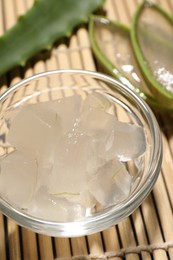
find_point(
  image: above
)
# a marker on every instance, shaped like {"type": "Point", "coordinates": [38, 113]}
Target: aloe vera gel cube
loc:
{"type": "Point", "coordinates": [111, 183]}
{"type": "Point", "coordinates": [18, 177]}
{"type": "Point", "coordinates": [34, 129]}
{"type": "Point", "coordinates": [47, 206]}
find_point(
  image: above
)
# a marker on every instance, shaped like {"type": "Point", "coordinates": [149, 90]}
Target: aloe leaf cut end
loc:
{"type": "Point", "coordinates": [152, 37]}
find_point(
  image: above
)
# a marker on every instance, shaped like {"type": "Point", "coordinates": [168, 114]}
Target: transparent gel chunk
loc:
{"type": "Point", "coordinates": [44, 174]}
{"type": "Point", "coordinates": [84, 198]}
{"type": "Point", "coordinates": [10, 114]}
{"type": "Point", "coordinates": [18, 178]}
{"type": "Point", "coordinates": [97, 100]}
{"type": "Point", "coordinates": [114, 139]}
{"type": "Point", "coordinates": [68, 110]}
{"type": "Point", "coordinates": [126, 142]}
{"type": "Point", "coordinates": [35, 130]}
{"type": "Point", "coordinates": [49, 207]}
{"type": "Point", "coordinates": [96, 124]}
{"type": "Point", "coordinates": [70, 165]}
{"type": "Point", "coordinates": [111, 184]}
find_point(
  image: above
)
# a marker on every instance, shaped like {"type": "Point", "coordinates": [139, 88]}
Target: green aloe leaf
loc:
{"type": "Point", "coordinates": [111, 44]}
{"type": "Point", "coordinates": [152, 40]}
{"type": "Point", "coordinates": [46, 22]}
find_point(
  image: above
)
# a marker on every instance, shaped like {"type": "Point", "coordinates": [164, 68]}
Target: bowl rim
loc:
{"type": "Point", "coordinates": [100, 221]}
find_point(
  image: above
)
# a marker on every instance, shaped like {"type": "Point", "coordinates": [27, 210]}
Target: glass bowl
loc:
{"type": "Point", "coordinates": [128, 107]}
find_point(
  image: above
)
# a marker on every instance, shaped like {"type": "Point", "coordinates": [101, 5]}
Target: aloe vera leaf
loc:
{"type": "Point", "coordinates": [152, 38]}
{"type": "Point", "coordinates": [46, 22]}
{"type": "Point", "coordinates": [111, 44]}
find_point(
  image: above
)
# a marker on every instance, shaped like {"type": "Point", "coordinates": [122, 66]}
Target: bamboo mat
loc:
{"type": "Point", "coordinates": [148, 232]}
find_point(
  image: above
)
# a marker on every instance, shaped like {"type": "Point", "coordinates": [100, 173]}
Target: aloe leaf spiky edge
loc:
{"type": "Point", "coordinates": [158, 90]}
{"type": "Point", "coordinates": [111, 69]}
{"type": "Point", "coordinates": [46, 22]}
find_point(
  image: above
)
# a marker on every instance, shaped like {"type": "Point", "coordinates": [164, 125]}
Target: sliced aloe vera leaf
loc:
{"type": "Point", "coordinates": [152, 41]}
{"type": "Point", "coordinates": [111, 44]}
{"type": "Point", "coordinates": [46, 22]}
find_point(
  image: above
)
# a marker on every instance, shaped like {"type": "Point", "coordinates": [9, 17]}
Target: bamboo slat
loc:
{"type": "Point", "coordinates": [148, 233]}
{"type": "Point", "coordinates": [111, 241]}
{"type": "Point", "coordinates": [62, 247]}
{"type": "Point", "coordinates": [2, 238]}
{"type": "Point", "coordinates": [13, 240]}
{"type": "Point", "coordinates": [45, 247]}
{"type": "Point", "coordinates": [95, 245]}
{"type": "Point", "coordinates": [127, 237]}
{"type": "Point", "coordinates": [140, 232]}
{"type": "Point", "coordinates": [79, 246]}
{"type": "Point", "coordinates": [153, 227]}
{"type": "Point", "coordinates": [29, 244]}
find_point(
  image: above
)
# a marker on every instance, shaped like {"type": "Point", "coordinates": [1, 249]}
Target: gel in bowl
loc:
{"type": "Point", "coordinates": [126, 107]}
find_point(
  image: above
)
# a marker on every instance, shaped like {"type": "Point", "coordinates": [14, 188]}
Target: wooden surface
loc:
{"type": "Point", "coordinates": [148, 232]}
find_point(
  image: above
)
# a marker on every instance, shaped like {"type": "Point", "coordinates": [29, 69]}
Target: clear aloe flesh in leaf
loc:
{"type": "Point", "coordinates": [111, 44]}
{"type": "Point", "coordinates": [113, 40]}
{"type": "Point", "coordinates": [152, 39]}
